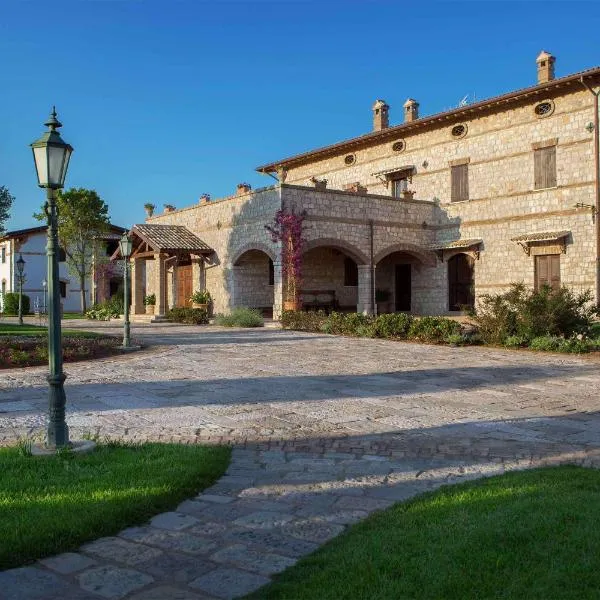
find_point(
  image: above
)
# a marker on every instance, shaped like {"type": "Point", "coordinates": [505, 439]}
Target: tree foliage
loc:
{"type": "Point", "coordinates": [82, 219]}
{"type": "Point", "coordinates": [6, 201]}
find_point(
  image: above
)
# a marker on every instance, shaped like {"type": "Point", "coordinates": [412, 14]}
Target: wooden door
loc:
{"type": "Point", "coordinates": [403, 287]}
{"type": "Point", "coordinates": [184, 285]}
{"type": "Point", "coordinates": [461, 281]}
{"type": "Point", "coordinates": [547, 271]}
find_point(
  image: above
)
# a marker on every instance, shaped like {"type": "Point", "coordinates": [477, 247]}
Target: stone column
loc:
{"type": "Point", "coordinates": [197, 273]}
{"type": "Point", "coordinates": [172, 287]}
{"type": "Point", "coordinates": [235, 296]}
{"type": "Point", "coordinates": [137, 286]}
{"type": "Point", "coordinates": [160, 284]}
{"type": "Point", "coordinates": [277, 289]}
{"type": "Point", "coordinates": [365, 293]}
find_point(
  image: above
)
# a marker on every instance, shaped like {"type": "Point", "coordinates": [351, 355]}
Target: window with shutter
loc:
{"type": "Point", "coordinates": [544, 161]}
{"type": "Point", "coordinates": [547, 271]}
{"type": "Point", "coordinates": [459, 175]}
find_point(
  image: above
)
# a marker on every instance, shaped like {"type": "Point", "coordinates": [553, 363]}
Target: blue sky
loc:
{"type": "Point", "coordinates": [163, 101]}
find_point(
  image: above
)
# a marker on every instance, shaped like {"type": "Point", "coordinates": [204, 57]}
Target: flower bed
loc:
{"type": "Point", "coordinates": [31, 351]}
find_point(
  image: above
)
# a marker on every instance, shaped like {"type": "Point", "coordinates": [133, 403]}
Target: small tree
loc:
{"type": "Point", "coordinates": [6, 201]}
{"type": "Point", "coordinates": [287, 228]}
{"type": "Point", "coordinates": [82, 219]}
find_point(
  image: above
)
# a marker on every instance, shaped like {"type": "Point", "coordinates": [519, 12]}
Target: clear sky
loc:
{"type": "Point", "coordinates": [165, 100]}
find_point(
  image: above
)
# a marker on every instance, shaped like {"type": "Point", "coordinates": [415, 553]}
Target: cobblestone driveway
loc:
{"type": "Point", "coordinates": [326, 430]}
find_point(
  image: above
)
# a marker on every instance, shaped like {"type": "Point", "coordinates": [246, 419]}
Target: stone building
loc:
{"type": "Point", "coordinates": [424, 216]}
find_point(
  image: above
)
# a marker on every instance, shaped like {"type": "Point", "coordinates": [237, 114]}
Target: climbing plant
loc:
{"type": "Point", "coordinates": [287, 228]}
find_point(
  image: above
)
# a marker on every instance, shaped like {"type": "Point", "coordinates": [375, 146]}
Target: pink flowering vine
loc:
{"type": "Point", "coordinates": [287, 228]}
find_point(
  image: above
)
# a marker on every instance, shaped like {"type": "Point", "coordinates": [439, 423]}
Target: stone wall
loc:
{"type": "Point", "coordinates": [230, 226]}
{"type": "Point", "coordinates": [251, 281]}
{"type": "Point", "coordinates": [503, 202]}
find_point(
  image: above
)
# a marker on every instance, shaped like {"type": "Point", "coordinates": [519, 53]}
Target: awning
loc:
{"type": "Point", "coordinates": [527, 240]}
{"type": "Point", "coordinates": [403, 168]}
{"type": "Point", "coordinates": [471, 245]}
{"type": "Point", "coordinates": [457, 244]}
{"type": "Point", "coordinates": [541, 236]}
{"type": "Point", "coordinates": [175, 240]}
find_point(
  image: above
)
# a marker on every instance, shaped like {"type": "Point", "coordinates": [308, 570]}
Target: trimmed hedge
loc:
{"type": "Point", "coordinates": [389, 326]}
{"type": "Point", "coordinates": [188, 316]}
{"type": "Point", "coordinates": [11, 304]}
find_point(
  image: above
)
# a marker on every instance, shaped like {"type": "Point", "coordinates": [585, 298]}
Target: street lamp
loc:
{"type": "Point", "coordinates": [51, 155]}
{"type": "Point", "coordinates": [125, 245]}
{"type": "Point", "coordinates": [20, 277]}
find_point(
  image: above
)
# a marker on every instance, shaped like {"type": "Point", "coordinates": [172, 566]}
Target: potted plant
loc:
{"type": "Point", "coordinates": [382, 298]}
{"type": "Point", "coordinates": [149, 303]}
{"type": "Point", "coordinates": [201, 299]}
{"type": "Point", "coordinates": [149, 208]}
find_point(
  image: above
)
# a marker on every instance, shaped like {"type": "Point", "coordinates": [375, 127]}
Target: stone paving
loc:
{"type": "Point", "coordinates": [325, 431]}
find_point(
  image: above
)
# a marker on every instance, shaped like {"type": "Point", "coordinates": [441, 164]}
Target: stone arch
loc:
{"type": "Point", "coordinates": [359, 257]}
{"type": "Point", "coordinates": [259, 246]}
{"type": "Point", "coordinates": [427, 257]}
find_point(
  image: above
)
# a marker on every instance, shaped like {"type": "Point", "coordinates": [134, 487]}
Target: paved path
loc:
{"type": "Point", "coordinates": [325, 430]}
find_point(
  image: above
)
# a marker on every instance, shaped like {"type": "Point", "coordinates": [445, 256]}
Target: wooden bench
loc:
{"type": "Point", "coordinates": [318, 300]}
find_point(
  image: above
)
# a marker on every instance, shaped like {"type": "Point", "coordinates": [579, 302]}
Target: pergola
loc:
{"type": "Point", "coordinates": [175, 251]}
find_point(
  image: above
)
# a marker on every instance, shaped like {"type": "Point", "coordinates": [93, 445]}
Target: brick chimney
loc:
{"type": "Point", "coordinates": [411, 110]}
{"type": "Point", "coordinates": [545, 67]}
{"type": "Point", "coordinates": [381, 119]}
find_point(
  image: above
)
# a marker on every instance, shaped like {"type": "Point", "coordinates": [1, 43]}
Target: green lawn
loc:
{"type": "Point", "coordinates": [35, 330]}
{"type": "Point", "coordinates": [533, 534]}
{"type": "Point", "coordinates": [51, 505]}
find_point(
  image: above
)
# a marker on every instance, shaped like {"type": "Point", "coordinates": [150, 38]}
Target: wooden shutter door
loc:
{"type": "Point", "coordinates": [460, 183]}
{"type": "Point", "coordinates": [538, 170]}
{"type": "Point", "coordinates": [542, 274]}
{"type": "Point", "coordinates": [549, 166]}
{"type": "Point", "coordinates": [554, 270]}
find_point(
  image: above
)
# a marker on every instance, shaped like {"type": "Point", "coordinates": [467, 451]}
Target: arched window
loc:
{"type": "Point", "coordinates": [461, 282]}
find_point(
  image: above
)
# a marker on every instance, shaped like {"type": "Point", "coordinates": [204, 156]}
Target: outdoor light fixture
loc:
{"type": "Point", "coordinates": [20, 277]}
{"type": "Point", "coordinates": [125, 245]}
{"type": "Point", "coordinates": [51, 155]}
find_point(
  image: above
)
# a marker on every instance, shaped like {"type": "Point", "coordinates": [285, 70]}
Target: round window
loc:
{"type": "Point", "coordinates": [459, 131]}
{"type": "Point", "coordinates": [399, 146]}
{"type": "Point", "coordinates": [543, 109]}
{"type": "Point", "coordinates": [350, 159]}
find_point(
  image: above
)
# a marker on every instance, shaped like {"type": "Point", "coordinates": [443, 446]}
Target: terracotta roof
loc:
{"type": "Point", "coordinates": [541, 236]}
{"type": "Point", "coordinates": [457, 113]}
{"type": "Point", "coordinates": [171, 238]}
{"type": "Point", "coordinates": [456, 244]}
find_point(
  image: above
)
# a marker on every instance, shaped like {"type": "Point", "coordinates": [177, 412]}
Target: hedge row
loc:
{"type": "Point", "coordinates": [389, 326]}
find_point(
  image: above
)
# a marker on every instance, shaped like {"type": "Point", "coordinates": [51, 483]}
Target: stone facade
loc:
{"type": "Point", "coordinates": [495, 146]}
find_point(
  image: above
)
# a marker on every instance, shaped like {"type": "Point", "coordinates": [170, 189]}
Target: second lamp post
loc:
{"type": "Point", "coordinates": [21, 278]}
{"type": "Point", "coordinates": [125, 245]}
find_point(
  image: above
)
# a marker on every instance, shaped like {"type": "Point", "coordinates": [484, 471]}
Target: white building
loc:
{"type": "Point", "coordinates": [31, 245]}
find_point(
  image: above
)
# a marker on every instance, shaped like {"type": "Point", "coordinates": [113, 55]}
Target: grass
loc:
{"type": "Point", "coordinates": [27, 330]}
{"type": "Point", "coordinates": [532, 534]}
{"type": "Point", "coordinates": [241, 317]}
{"type": "Point", "coordinates": [53, 504]}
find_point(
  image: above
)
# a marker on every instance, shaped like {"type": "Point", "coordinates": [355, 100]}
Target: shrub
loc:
{"type": "Point", "coordinates": [515, 341]}
{"type": "Point", "coordinates": [346, 323]}
{"type": "Point", "coordinates": [530, 314]}
{"type": "Point", "coordinates": [433, 329]}
{"type": "Point", "coordinates": [150, 300]}
{"type": "Point", "coordinates": [201, 297]}
{"type": "Point", "coordinates": [188, 316]}
{"type": "Point", "coordinates": [299, 320]}
{"type": "Point", "coordinates": [241, 317]}
{"type": "Point", "coordinates": [11, 304]}
{"type": "Point", "coordinates": [107, 310]}
{"type": "Point", "coordinates": [395, 325]}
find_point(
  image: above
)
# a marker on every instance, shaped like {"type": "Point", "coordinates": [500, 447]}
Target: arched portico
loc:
{"type": "Point", "coordinates": [254, 278]}
{"type": "Point", "coordinates": [402, 274]}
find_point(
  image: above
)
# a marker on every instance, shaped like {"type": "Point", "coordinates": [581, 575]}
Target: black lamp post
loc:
{"type": "Point", "coordinates": [51, 155]}
{"type": "Point", "coordinates": [125, 245]}
{"type": "Point", "coordinates": [20, 277]}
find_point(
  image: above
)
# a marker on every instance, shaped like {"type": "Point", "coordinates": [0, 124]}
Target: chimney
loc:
{"type": "Point", "coordinates": [411, 110]}
{"type": "Point", "coordinates": [381, 118]}
{"type": "Point", "coordinates": [545, 67]}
